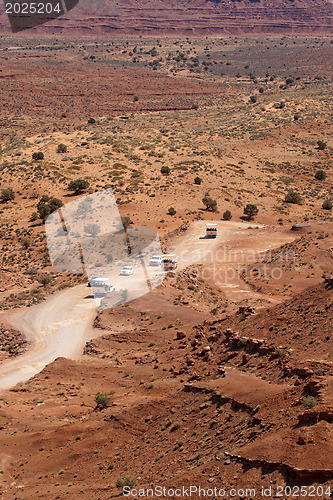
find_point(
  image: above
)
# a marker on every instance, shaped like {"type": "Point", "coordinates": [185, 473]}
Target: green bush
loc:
{"type": "Point", "coordinates": [253, 98]}
{"type": "Point", "coordinates": [91, 120]}
{"type": "Point", "coordinates": [327, 205]}
{"type": "Point", "coordinates": [47, 205]}
{"type": "Point", "coordinates": [227, 215]}
{"type": "Point", "coordinates": [125, 481]}
{"type": "Point", "coordinates": [320, 175]}
{"type": "Point", "coordinates": [38, 155]}
{"type": "Point", "coordinates": [172, 211]}
{"type": "Point", "coordinates": [45, 280]}
{"type": "Point", "coordinates": [197, 180]}
{"type": "Point", "coordinates": [309, 402]}
{"type": "Point", "coordinates": [165, 170]}
{"type": "Point", "coordinates": [102, 400]}
{"type": "Point", "coordinates": [7, 194]}
{"type": "Point", "coordinates": [78, 186]}
{"type": "Point", "coordinates": [321, 145]}
{"type": "Point", "coordinates": [26, 242]}
{"type": "Point", "coordinates": [62, 148]}
{"type": "Point", "coordinates": [293, 197]}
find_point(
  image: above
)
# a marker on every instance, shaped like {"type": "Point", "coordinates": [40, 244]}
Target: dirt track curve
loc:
{"type": "Point", "coordinates": [60, 326]}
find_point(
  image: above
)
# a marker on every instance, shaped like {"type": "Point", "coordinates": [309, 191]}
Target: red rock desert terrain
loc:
{"type": "Point", "coordinates": [220, 377]}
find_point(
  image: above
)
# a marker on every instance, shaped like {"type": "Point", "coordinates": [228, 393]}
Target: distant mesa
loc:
{"type": "Point", "coordinates": [193, 17]}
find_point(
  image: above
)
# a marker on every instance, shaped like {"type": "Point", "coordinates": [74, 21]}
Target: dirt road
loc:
{"type": "Point", "coordinates": [61, 325]}
{"type": "Point", "coordinates": [57, 327]}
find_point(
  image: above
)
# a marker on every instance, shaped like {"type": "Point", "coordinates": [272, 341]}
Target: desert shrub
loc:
{"type": "Point", "coordinates": [33, 217]}
{"type": "Point", "coordinates": [47, 205]}
{"type": "Point", "coordinates": [281, 352]}
{"type": "Point", "coordinates": [309, 402]}
{"type": "Point", "coordinates": [321, 145]}
{"type": "Point", "coordinates": [327, 205]}
{"type": "Point", "coordinates": [62, 148]}
{"type": "Point", "coordinates": [78, 186]}
{"type": "Point", "coordinates": [135, 98]}
{"type": "Point", "coordinates": [320, 175]}
{"type": "Point", "coordinates": [102, 400]}
{"type": "Point", "coordinates": [195, 106]}
{"type": "Point", "coordinates": [251, 210]}
{"type": "Point", "coordinates": [125, 481]}
{"type": "Point", "coordinates": [92, 229]}
{"type": "Point", "coordinates": [261, 90]}
{"type": "Point", "coordinates": [38, 155]}
{"type": "Point", "coordinates": [253, 98]}
{"type": "Point", "coordinates": [209, 203]}
{"type": "Point", "coordinates": [293, 197]}
{"type": "Point", "coordinates": [289, 81]}
{"type": "Point", "coordinates": [227, 215]}
{"type": "Point", "coordinates": [26, 242]}
{"type": "Point", "coordinates": [172, 211]}
{"type": "Point", "coordinates": [45, 280]}
{"type": "Point", "coordinates": [7, 194]}
{"type": "Point", "coordinates": [165, 170]}
{"type": "Point", "coordinates": [197, 180]}
{"type": "Point", "coordinates": [297, 116]}
{"type": "Point", "coordinates": [91, 120]}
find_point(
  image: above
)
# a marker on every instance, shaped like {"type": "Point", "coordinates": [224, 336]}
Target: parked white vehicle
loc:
{"type": "Point", "coordinates": [126, 271]}
{"type": "Point", "coordinates": [155, 260]}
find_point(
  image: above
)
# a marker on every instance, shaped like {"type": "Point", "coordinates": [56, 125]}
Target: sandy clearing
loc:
{"type": "Point", "coordinates": [57, 327]}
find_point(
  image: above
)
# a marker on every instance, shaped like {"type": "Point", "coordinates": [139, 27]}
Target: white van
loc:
{"type": "Point", "coordinates": [155, 260]}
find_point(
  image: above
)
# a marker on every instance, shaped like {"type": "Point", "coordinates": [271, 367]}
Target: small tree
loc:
{"type": "Point", "coordinates": [227, 215]}
{"type": "Point", "coordinates": [251, 210]}
{"type": "Point", "coordinates": [165, 170]}
{"type": "Point", "coordinates": [7, 194]}
{"type": "Point", "coordinates": [91, 120]}
{"type": "Point", "coordinates": [327, 205]}
{"type": "Point", "coordinates": [321, 145]}
{"type": "Point", "coordinates": [253, 99]}
{"type": "Point", "coordinates": [62, 148]}
{"type": "Point", "coordinates": [293, 197]}
{"type": "Point", "coordinates": [92, 229]}
{"type": "Point", "coordinates": [38, 155]}
{"type": "Point", "coordinates": [172, 211]}
{"type": "Point", "coordinates": [209, 203]}
{"type": "Point", "coordinates": [78, 186]}
{"type": "Point", "coordinates": [47, 205]}
{"type": "Point", "coordinates": [197, 180]}
{"type": "Point", "coordinates": [320, 175]}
